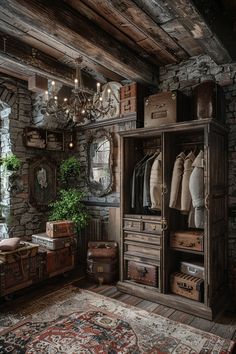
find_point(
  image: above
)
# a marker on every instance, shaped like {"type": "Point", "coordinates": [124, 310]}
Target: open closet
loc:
{"type": "Point", "coordinates": [174, 216]}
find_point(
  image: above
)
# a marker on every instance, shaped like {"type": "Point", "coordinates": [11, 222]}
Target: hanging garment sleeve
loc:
{"type": "Point", "coordinates": [156, 183]}
{"type": "Point", "coordinates": [186, 199]}
{"type": "Point", "coordinates": [196, 187]}
{"type": "Point", "coordinates": [177, 174]}
{"type": "Point", "coordinates": [146, 182]}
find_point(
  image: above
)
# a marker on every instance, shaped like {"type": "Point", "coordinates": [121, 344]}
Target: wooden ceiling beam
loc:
{"type": "Point", "coordinates": [135, 23]}
{"type": "Point", "coordinates": [191, 19]}
{"type": "Point", "coordinates": [72, 29]}
{"type": "Point", "coordinates": [29, 60]}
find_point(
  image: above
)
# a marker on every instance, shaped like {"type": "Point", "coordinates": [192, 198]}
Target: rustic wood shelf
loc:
{"type": "Point", "coordinates": [43, 139]}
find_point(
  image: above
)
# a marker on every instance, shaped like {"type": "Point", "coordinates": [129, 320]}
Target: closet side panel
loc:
{"type": "Point", "coordinates": [216, 214]}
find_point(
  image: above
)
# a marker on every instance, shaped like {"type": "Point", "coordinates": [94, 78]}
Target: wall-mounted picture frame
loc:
{"type": "Point", "coordinates": [42, 182]}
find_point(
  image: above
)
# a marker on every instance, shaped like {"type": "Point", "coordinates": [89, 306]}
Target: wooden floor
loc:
{"type": "Point", "coordinates": [224, 325]}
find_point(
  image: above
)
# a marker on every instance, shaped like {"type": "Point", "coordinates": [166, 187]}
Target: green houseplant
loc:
{"type": "Point", "coordinates": [11, 163]}
{"type": "Point", "coordinates": [69, 171]}
{"type": "Point", "coordinates": [69, 205]}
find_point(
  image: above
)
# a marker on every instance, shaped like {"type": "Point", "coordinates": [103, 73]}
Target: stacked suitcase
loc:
{"type": "Point", "coordinates": [58, 246]}
{"type": "Point", "coordinates": [102, 261]}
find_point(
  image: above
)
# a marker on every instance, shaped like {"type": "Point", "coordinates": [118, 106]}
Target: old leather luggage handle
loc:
{"type": "Point", "coordinates": [184, 286]}
{"type": "Point", "coordinates": [142, 271]}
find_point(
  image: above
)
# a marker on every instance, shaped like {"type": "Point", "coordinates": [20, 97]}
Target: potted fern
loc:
{"type": "Point", "coordinates": [69, 205]}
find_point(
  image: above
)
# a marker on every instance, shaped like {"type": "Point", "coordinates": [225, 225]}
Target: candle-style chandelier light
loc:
{"type": "Point", "coordinates": [82, 105]}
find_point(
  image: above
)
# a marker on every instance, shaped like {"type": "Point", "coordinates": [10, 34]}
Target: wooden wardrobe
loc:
{"type": "Point", "coordinates": [147, 259]}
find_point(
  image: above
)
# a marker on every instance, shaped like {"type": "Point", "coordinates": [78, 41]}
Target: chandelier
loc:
{"type": "Point", "coordinates": [82, 105]}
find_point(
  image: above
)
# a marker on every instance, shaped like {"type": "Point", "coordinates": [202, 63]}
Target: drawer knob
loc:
{"type": "Point", "coordinates": [154, 227]}
{"type": "Point", "coordinates": [131, 224]}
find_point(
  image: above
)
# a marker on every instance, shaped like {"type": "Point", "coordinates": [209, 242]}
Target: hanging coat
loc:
{"type": "Point", "coordinates": [196, 187]}
{"type": "Point", "coordinates": [176, 182]}
{"type": "Point", "coordinates": [186, 199]}
{"type": "Point", "coordinates": [156, 183]}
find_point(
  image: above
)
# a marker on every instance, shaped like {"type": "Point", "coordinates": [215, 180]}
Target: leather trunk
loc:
{"type": "Point", "coordinates": [20, 274]}
{"type": "Point", "coordinates": [102, 261]}
{"type": "Point", "coordinates": [187, 286]}
{"type": "Point", "coordinates": [209, 101]}
{"type": "Point", "coordinates": [54, 243]}
{"type": "Point", "coordinates": [142, 273]}
{"type": "Point", "coordinates": [190, 240]}
{"type": "Point", "coordinates": [59, 261]}
{"type": "Point", "coordinates": [103, 271]}
{"type": "Point", "coordinates": [25, 250]}
{"type": "Point", "coordinates": [60, 228]}
{"type": "Point", "coordinates": [165, 108]}
{"type": "Point", "coordinates": [102, 249]}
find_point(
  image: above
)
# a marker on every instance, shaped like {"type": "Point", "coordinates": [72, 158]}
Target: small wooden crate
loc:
{"type": "Point", "coordinates": [187, 286]}
{"type": "Point", "coordinates": [25, 250]}
{"type": "Point", "coordinates": [60, 228]}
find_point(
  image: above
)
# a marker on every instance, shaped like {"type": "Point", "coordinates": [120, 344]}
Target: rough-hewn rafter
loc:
{"type": "Point", "coordinates": [73, 30]}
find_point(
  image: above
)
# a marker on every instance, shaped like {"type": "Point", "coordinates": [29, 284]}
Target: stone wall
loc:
{"type": "Point", "coordinates": [22, 219]}
{"type": "Point", "coordinates": [184, 77]}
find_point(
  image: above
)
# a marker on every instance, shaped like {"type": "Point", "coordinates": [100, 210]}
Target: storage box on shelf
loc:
{"type": "Point", "coordinates": [187, 286]}
{"type": "Point", "coordinates": [165, 108]}
{"type": "Point", "coordinates": [132, 101]}
{"type": "Point", "coordinates": [43, 139]}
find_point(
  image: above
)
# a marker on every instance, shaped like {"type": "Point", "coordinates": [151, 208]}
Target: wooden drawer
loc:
{"type": "Point", "coordinates": [152, 227]}
{"type": "Point", "coordinates": [156, 240]}
{"type": "Point", "coordinates": [133, 224]}
{"type": "Point", "coordinates": [143, 250]}
{"type": "Point", "coordinates": [142, 273]}
{"type": "Point", "coordinates": [128, 91]}
{"type": "Point", "coordinates": [128, 105]}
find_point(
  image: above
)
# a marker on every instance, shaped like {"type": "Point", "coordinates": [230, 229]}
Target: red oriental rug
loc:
{"type": "Point", "coordinates": [79, 321]}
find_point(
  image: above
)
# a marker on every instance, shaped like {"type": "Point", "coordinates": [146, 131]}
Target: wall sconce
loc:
{"type": "Point", "coordinates": [71, 143]}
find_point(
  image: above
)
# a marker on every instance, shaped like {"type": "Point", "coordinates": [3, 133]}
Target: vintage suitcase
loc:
{"type": "Point", "coordinates": [187, 286]}
{"type": "Point", "coordinates": [54, 243]}
{"type": "Point", "coordinates": [166, 107]}
{"type": "Point", "coordinates": [142, 273]}
{"type": "Point", "coordinates": [191, 240]}
{"type": "Point", "coordinates": [128, 106]}
{"type": "Point", "coordinates": [60, 228]}
{"type": "Point", "coordinates": [60, 261]}
{"type": "Point", "coordinates": [102, 249]}
{"type": "Point", "coordinates": [195, 269]}
{"type": "Point", "coordinates": [209, 101]}
{"type": "Point", "coordinates": [102, 261]}
{"type": "Point", "coordinates": [25, 250]}
{"type": "Point", "coordinates": [20, 274]}
{"type": "Point", "coordinates": [102, 271]}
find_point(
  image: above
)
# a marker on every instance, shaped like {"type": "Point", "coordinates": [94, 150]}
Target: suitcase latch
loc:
{"type": "Point", "coordinates": [142, 271]}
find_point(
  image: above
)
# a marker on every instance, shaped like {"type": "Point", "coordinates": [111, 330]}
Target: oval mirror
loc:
{"type": "Point", "coordinates": [99, 155]}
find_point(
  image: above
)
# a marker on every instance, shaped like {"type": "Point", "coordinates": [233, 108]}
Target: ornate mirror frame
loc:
{"type": "Point", "coordinates": [93, 186]}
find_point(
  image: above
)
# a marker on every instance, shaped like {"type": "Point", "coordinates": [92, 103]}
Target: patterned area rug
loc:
{"type": "Point", "coordinates": [79, 321]}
